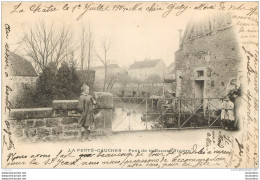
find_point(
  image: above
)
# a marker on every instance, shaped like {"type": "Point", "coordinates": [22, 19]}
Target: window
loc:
{"type": "Point", "coordinates": [200, 73]}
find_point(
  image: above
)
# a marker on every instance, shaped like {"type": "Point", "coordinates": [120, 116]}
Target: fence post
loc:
{"type": "Point", "coordinates": [179, 117]}
{"type": "Point", "coordinates": [146, 113]}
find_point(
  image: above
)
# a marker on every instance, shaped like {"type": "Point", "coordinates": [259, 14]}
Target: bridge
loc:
{"type": "Point", "coordinates": [114, 115]}
{"type": "Point", "coordinates": [132, 114]}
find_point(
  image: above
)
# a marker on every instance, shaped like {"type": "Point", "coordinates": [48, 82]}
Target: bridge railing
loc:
{"type": "Point", "coordinates": [139, 113]}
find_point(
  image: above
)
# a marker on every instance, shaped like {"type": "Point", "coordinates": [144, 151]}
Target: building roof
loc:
{"type": "Point", "coordinates": [144, 64]}
{"type": "Point", "coordinates": [204, 26]}
{"type": "Point", "coordinates": [108, 66]}
{"type": "Point", "coordinates": [20, 66]}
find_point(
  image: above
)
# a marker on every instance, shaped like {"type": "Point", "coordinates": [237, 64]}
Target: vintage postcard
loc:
{"type": "Point", "coordinates": [130, 85]}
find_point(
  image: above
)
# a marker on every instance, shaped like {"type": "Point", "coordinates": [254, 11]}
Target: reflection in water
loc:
{"type": "Point", "coordinates": [129, 119]}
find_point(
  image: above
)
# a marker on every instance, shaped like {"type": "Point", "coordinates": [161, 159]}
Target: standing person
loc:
{"type": "Point", "coordinates": [223, 116]}
{"type": "Point", "coordinates": [238, 110]}
{"type": "Point", "coordinates": [85, 106]}
{"type": "Point", "coordinates": [230, 113]}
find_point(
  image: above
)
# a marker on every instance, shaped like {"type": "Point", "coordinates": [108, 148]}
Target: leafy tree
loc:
{"type": "Point", "coordinates": [75, 81]}
{"type": "Point", "coordinates": [64, 82]}
{"type": "Point", "coordinates": [25, 99]}
{"type": "Point", "coordinates": [51, 84]}
{"type": "Point", "coordinates": [68, 83]}
{"type": "Point", "coordinates": [45, 86]}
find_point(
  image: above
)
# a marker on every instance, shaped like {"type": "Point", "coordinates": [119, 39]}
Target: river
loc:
{"type": "Point", "coordinates": [126, 119]}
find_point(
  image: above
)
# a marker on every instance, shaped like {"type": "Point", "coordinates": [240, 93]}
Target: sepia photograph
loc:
{"type": "Point", "coordinates": [130, 85]}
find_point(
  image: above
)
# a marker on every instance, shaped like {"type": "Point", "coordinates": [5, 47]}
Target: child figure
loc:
{"type": "Point", "coordinates": [85, 106]}
{"type": "Point", "coordinates": [227, 113]}
{"type": "Point", "coordinates": [230, 114]}
{"type": "Point", "coordinates": [223, 114]}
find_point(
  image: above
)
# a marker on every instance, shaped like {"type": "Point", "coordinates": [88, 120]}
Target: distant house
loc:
{"type": "Point", "coordinates": [21, 75]}
{"type": "Point", "coordinates": [112, 69]}
{"type": "Point", "coordinates": [21, 70]}
{"type": "Point", "coordinates": [143, 69]}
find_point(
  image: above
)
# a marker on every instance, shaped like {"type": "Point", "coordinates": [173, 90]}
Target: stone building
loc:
{"type": "Point", "coordinates": [143, 69]}
{"type": "Point", "coordinates": [21, 71]}
{"type": "Point", "coordinates": [112, 69]}
{"type": "Point", "coordinates": [208, 58]}
{"type": "Point", "coordinates": [22, 75]}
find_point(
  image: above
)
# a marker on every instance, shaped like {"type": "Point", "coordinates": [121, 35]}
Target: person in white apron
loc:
{"type": "Point", "coordinates": [230, 113]}
{"type": "Point", "coordinates": [223, 115]}
{"type": "Point", "coordinates": [238, 109]}
{"type": "Point", "coordinates": [227, 114]}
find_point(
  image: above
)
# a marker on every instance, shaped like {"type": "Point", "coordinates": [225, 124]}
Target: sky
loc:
{"type": "Point", "coordinates": [134, 36]}
{"type": "Point", "coordinates": [139, 38]}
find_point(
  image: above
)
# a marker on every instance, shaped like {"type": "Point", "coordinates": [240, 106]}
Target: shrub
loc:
{"type": "Point", "coordinates": [25, 98]}
{"type": "Point", "coordinates": [51, 84]}
{"type": "Point", "coordinates": [45, 86]}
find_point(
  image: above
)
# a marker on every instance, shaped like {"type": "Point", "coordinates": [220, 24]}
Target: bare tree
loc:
{"type": "Point", "coordinates": [44, 44]}
{"type": "Point", "coordinates": [86, 45]}
{"type": "Point", "coordinates": [106, 46]}
{"type": "Point", "coordinates": [111, 79]}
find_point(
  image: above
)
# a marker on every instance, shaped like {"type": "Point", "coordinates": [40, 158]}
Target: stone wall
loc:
{"type": "Point", "coordinates": [60, 121]}
{"type": "Point", "coordinates": [217, 54]}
